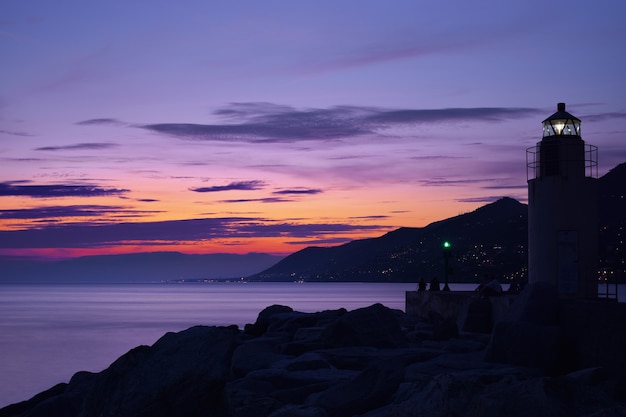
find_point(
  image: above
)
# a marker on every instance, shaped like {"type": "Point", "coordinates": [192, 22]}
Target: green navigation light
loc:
{"type": "Point", "coordinates": [446, 244]}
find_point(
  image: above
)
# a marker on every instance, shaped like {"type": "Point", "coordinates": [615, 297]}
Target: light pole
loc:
{"type": "Point", "coordinates": [447, 246]}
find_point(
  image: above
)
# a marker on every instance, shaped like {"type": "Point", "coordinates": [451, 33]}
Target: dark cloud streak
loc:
{"type": "Point", "coordinates": [489, 114]}
{"type": "Point", "coordinates": [13, 133]}
{"type": "Point", "coordinates": [56, 190]}
{"type": "Point", "coordinates": [270, 123]}
{"type": "Point", "coordinates": [238, 185]}
{"type": "Point", "coordinates": [298, 191]}
{"type": "Point", "coordinates": [437, 182]}
{"type": "Point", "coordinates": [79, 146]}
{"type": "Point", "coordinates": [49, 212]}
{"type": "Point", "coordinates": [102, 121]}
{"type": "Point", "coordinates": [372, 217]}
{"type": "Point", "coordinates": [257, 200]}
{"type": "Point", "coordinates": [331, 241]}
{"type": "Point", "coordinates": [485, 199]}
{"type": "Point", "coordinates": [603, 116]}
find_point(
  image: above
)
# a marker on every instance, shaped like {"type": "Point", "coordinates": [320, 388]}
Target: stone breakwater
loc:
{"type": "Point", "coordinates": [368, 362]}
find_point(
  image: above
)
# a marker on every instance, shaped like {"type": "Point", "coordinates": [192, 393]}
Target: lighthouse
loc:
{"type": "Point", "coordinates": [562, 208]}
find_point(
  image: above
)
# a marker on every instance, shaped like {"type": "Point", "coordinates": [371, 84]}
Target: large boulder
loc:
{"type": "Point", "coordinates": [483, 391]}
{"type": "Point", "coordinates": [478, 316]}
{"type": "Point", "coordinates": [265, 318]}
{"type": "Point", "coordinates": [526, 344]}
{"type": "Point", "coordinates": [182, 374]}
{"type": "Point", "coordinates": [538, 304]}
{"type": "Point", "coordinates": [371, 389]}
{"type": "Point", "coordinates": [375, 326]}
{"type": "Point", "coordinates": [289, 323]}
{"type": "Point", "coordinates": [529, 333]}
{"type": "Point", "coordinates": [255, 354]}
{"type": "Point", "coordinates": [566, 395]}
{"type": "Point", "coordinates": [264, 391]}
{"type": "Point", "coordinates": [299, 411]}
{"type": "Point", "coordinates": [444, 328]}
{"type": "Point", "coordinates": [442, 395]}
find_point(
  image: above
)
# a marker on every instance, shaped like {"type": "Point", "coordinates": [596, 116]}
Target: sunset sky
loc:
{"type": "Point", "coordinates": [269, 126]}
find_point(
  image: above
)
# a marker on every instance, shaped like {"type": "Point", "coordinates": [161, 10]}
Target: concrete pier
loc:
{"type": "Point", "coordinates": [592, 331]}
{"type": "Point", "coordinates": [470, 310]}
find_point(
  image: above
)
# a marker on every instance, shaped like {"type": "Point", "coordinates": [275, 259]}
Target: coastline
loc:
{"type": "Point", "coordinates": [372, 361]}
{"type": "Point", "coordinates": [49, 332]}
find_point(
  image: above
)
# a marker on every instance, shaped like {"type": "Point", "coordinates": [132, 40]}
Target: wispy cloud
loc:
{"type": "Point", "coordinates": [298, 191]}
{"type": "Point", "coordinates": [14, 133]}
{"type": "Point", "coordinates": [79, 146]}
{"type": "Point", "coordinates": [102, 121]}
{"type": "Point", "coordinates": [55, 212]}
{"type": "Point", "coordinates": [506, 187]}
{"type": "Point", "coordinates": [22, 159]}
{"type": "Point", "coordinates": [599, 117]}
{"type": "Point", "coordinates": [237, 185]}
{"type": "Point", "coordinates": [384, 52]}
{"type": "Point", "coordinates": [484, 114]}
{"type": "Point", "coordinates": [258, 200]}
{"type": "Point", "coordinates": [372, 217]}
{"type": "Point", "coordinates": [15, 188]}
{"type": "Point", "coordinates": [485, 199]}
{"type": "Point", "coordinates": [317, 242]}
{"type": "Point", "coordinates": [271, 123]}
{"type": "Point", "coordinates": [436, 182]}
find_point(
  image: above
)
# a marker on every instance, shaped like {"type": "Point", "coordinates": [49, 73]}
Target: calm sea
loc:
{"type": "Point", "coordinates": [49, 332]}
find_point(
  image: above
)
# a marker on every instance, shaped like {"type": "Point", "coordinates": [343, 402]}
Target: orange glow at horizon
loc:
{"type": "Point", "coordinates": [369, 214]}
{"type": "Point", "coordinates": [277, 246]}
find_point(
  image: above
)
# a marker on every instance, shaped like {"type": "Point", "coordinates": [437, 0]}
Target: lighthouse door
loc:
{"type": "Point", "coordinates": [567, 261]}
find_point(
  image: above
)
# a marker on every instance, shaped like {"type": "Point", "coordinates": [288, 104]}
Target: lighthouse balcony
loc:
{"type": "Point", "coordinates": [556, 157]}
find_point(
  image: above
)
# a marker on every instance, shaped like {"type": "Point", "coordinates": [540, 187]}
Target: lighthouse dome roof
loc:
{"type": "Point", "coordinates": [561, 114]}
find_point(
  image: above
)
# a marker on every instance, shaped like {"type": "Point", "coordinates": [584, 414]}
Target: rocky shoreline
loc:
{"type": "Point", "coordinates": [369, 362]}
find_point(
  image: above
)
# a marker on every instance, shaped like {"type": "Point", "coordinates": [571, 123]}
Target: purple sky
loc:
{"type": "Point", "coordinates": [206, 126]}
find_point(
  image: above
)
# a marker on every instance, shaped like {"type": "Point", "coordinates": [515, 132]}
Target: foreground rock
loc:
{"type": "Point", "coordinates": [368, 362]}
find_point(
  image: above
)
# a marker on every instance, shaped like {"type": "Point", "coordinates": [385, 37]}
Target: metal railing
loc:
{"type": "Point", "coordinates": [533, 161]}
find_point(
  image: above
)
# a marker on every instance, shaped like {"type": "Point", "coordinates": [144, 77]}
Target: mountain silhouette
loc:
{"type": "Point", "coordinates": [492, 237]}
{"type": "Point", "coordinates": [612, 221]}
{"type": "Point", "coordinates": [491, 240]}
{"type": "Point", "coordinates": [136, 267]}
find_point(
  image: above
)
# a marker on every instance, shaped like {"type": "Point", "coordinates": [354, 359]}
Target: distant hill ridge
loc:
{"type": "Point", "coordinates": [137, 267]}
{"type": "Point", "coordinates": [491, 240]}
{"type": "Point", "coordinates": [407, 254]}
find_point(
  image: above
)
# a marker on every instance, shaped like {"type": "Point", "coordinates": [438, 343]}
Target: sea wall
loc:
{"type": "Point", "coordinates": [448, 304]}
{"type": "Point", "coordinates": [593, 331]}
{"type": "Point", "coordinates": [471, 311]}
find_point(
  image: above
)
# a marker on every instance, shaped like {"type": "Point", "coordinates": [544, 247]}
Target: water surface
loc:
{"type": "Point", "coordinates": [49, 332]}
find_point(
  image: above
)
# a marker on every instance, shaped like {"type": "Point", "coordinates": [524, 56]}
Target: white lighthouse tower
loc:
{"type": "Point", "coordinates": [562, 208]}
